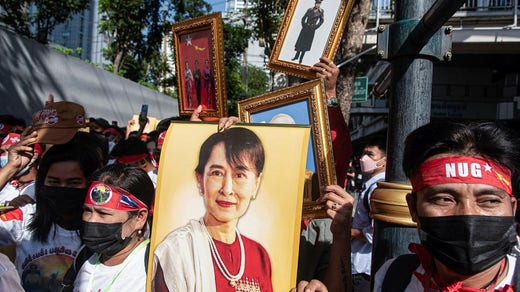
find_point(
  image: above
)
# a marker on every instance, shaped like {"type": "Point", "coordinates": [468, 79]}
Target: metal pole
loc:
{"type": "Point", "coordinates": [515, 13]}
{"type": "Point", "coordinates": [356, 56]}
{"type": "Point", "coordinates": [378, 10]}
{"type": "Point", "coordinates": [411, 92]}
{"type": "Point", "coordinates": [410, 96]}
{"type": "Point", "coordinates": [440, 12]}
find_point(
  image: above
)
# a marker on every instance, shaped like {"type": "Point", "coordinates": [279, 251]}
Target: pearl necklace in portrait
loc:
{"type": "Point", "coordinates": [233, 279]}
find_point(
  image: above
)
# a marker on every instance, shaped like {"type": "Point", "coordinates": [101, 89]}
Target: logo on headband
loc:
{"type": "Point", "coordinates": [101, 194]}
{"type": "Point", "coordinates": [501, 178]}
{"type": "Point", "coordinates": [129, 202]}
{"type": "Point", "coordinates": [462, 169]}
{"type": "Point", "coordinates": [112, 197]}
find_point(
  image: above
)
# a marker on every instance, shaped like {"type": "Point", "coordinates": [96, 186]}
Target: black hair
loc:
{"type": "Point", "coordinates": [94, 140]}
{"type": "Point", "coordinates": [12, 120]}
{"type": "Point", "coordinates": [241, 145]}
{"type": "Point", "coordinates": [483, 139]}
{"type": "Point", "coordinates": [130, 146]}
{"type": "Point", "coordinates": [152, 137]}
{"type": "Point", "coordinates": [103, 123]}
{"type": "Point", "coordinates": [378, 141]}
{"type": "Point", "coordinates": [88, 160]}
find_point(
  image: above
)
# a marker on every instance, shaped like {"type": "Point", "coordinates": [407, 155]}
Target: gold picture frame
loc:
{"type": "Point", "coordinates": [307, 34]}
{"type": "Point", "coordinates": [199, 45]}
{"type": "Point", "coordinates": [181, 196]}
{"type": "Point", "coordinates": [300, 104]}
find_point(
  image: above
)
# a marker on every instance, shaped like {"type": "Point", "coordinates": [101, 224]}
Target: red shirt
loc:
{"type": "Point", "coordinates": [257, 272]}
{"type": "Point", "coordinates": [341, 144]}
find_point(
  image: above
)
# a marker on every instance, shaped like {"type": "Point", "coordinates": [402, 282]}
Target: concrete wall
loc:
{"type": "Point", "coordinates": [30, 71]}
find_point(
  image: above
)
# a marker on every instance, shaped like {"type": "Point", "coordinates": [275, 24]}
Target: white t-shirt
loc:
{"type": "Point", "coordinates": [416, 285]}
{"type": "Point", "coordinates": [153, 176]}
{"type": "Point", "coordinates": [10, 191]}
{"type": "Point", "coordinates": [41, 265]}
{"type": "Point", "coordinates": [130, 275]}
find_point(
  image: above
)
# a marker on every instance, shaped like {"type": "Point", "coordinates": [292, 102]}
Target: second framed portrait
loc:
{"type": "Point", "coordinates": [227, 210]}
{"type": "Point", "coordinates": [303, 104]}
{"type": "Point", "coordinates": [199, 63]}
{"type": "Point", "coordinates": [309, 30]}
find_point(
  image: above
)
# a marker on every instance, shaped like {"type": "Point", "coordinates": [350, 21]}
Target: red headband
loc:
{"type": "Point", "coordinates": [109, 196]}
{"type": "Point", "coordinates": [131, 158]}
{"type": "Point", "coordinates": [112, 131]}
{"type": "Point", "coordinates": [11, 139]}
{"type": "Point", "coordinates": [160, 140]}
{"type": "Point", "coordinates": [462, 169]}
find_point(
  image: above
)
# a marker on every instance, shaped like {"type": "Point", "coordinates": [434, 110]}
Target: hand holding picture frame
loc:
{"type": "Point", "coordinates": [300, 104]}
{"type": "Point", "coordinates": [309, 30]}
{"type": "Point", "coordinates": [199, 63]}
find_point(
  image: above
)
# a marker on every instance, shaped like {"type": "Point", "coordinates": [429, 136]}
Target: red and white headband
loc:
{"type": "Point", "coordinates": [462, 169]}
{"type": "Point", "coordinates": [108, 196]}
{"type": "Point", "coordinates": [125, 159]}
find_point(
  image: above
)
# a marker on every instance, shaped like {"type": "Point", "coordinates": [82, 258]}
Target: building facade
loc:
{"type": "Point", "coordinates": [81, 32]}
{"type": "Point", "coordinates": [482, 80]}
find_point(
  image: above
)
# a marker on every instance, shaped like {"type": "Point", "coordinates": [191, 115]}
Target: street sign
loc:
{"type": "Point", "coordinates": [360, 89]}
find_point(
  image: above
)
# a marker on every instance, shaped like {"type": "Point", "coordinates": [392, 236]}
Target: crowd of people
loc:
{"type": "Point", "coordinates": [77, 196]}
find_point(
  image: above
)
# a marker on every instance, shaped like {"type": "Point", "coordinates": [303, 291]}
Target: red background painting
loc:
{"type": "Point", "coordinates": [197, 46]}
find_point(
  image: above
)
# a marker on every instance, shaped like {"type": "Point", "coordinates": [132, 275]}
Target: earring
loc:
{"type": "Point", "coordinates": [139, 232]}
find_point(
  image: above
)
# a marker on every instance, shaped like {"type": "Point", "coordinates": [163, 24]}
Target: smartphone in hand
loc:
{"type": "Point", "coordinates": [144, 113]}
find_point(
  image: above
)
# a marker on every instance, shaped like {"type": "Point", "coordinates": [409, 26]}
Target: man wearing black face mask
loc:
{"type": "Point", "coordinates": [464, 207]}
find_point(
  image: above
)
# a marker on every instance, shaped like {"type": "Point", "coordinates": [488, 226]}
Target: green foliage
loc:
{"type": "Point", "coordinates": [47, 14]}
{"type": "Point", "coordinates": [123, 21]}
{"type": "Point", "coordinates": [236, 38]}
{"type": "Point", "coordinates": [136, 29]}
{"type": "Point", "coordinates": [257, 81]}
{"type": "Point", "coordinates": [15, 16]}
{"type": "Point", "coordinates": [67, 51]}
{"type": "Point", "coordinates": [257, 84]}
{"type": "Point", "coordinates": [183, 10]}
{"type": "Point", "coordinates": [264, 18]}
{"type": "Point", "coordinates": [235, 88]}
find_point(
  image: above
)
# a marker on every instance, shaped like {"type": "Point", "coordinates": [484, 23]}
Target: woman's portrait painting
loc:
{"type": "Point", "coordinates": [228, 207]}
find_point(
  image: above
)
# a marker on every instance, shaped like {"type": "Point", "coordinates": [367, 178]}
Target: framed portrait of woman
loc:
{"type": "Point", "coordinates": [227, 210]}
{"type": "Point", "coordinates": [303, 104]}
{"type": "Point", "coordinates": [309, 30]}
{"type": "Point", "coordinates": [199, 64]}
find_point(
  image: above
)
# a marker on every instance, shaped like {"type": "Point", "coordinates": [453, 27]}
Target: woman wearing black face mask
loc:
{"type": "Point", "coordinates": [46, 233]}
{"type": "Point", "coordinates": [115, 225]}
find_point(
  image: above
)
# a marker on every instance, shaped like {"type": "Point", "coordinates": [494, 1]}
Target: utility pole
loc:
{"type": "Point", "coordinates": [411, 43]}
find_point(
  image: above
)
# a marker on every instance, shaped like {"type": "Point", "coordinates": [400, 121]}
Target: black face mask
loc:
{"type": "Point", "coordinates": [104, 239]}
{"type": "Point", "coordinates": [468, 244]}
{"type": "Point", "coordinates": [67, 204]}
